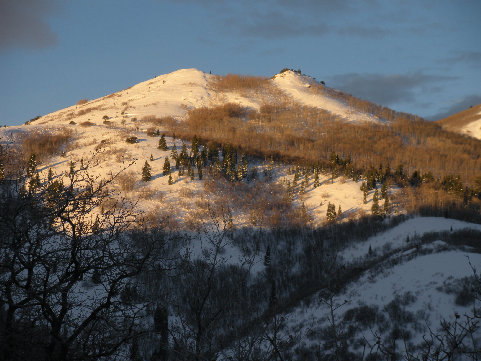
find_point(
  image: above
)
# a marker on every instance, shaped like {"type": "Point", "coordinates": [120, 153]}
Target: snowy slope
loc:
{"type": "Point", "coordinates": [474, 128]}
{"type": "Point", "coordinates": [299, 88]}
{"type": "Point", "coordinates": [424, 285]}
{"type": "Point", "coordinates": [166, 95]}
{"type": "Point", "coordinates": [467, 122]}
{"type": "Point", "coordinates": [396, 237]}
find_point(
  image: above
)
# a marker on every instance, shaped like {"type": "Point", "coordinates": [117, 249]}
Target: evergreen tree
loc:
{"type": "Point", "coordinates": [339, 211]}
{"type": "Point", "coordinates": [273, 296]}
{"type": "Point", "coordinates": [203, 155]}
{"type": "Point", "coordinates": [163, 143]}
{"type": "Point", "coordinates": [2, 171]}
{"type": "Point", "coordinates": [384, 190]}
{"type": "Point", "coordinates": [34, 183]}
{"type": "Point", "coordinates": [316, 178]}
{"type": "Point", "coordinates": [72, 168]}
{"type": "Point", "coordinates": [306, 178]}
{"type": "Point", "coordinates": [375, 204]}
{"type": "Point", "coordinates": [195, 147]}
{"type": "Point", "coordinates": [151, 158]}
{"type": "Point", "coordinates": [175, 156]}
{"type": "Point", "coordinates": [296, 177]}
{"type": "Point", "coordinates": [267, 257]}
{"type": "Point", "coordinates": [146, 172]}
{"type": "Point", "coordinates": [32, 165]}
{"type": "Point", "coordinates": [183, 155]}
{"type": "Point", "coordinates": [331, 212]}
{"type": "Point", "coordinates": [171, 181]}
{"type": "Point", "coordinates": [161, 327]}
{"type": "Point", "coordinates": [50, 175]}
{"type": "Point", "coordinates": [199, 170]}
{"type": "Point", "coordinates": [365, 191]}
{"type": "Point", "coordinates": [166, 168]}
{"type": "Point", "coordinates": [386, 205]}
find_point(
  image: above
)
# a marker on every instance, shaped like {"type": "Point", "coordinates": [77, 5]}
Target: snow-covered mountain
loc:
{"type": "Point", "coordinates": [175, 93]}
{"type": "Point", "coordinates": [395, 277]}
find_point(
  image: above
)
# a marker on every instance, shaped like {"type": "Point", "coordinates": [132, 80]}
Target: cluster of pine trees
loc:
{"type": "Point", "coordinates": [220, 160]}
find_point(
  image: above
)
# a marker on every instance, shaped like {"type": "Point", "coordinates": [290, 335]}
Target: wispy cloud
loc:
{"type": "Point", "coordinates": [23, 23]}
{"type": "Point", "coordinates": [472, 58]}
{"type": "Point", "coordinates": [388, 89]}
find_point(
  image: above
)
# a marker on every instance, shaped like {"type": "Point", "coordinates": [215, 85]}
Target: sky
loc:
{"type": "Point", "coordinates": [416, 56]}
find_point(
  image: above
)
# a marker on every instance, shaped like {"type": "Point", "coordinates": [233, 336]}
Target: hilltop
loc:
{"type": "Point", "coordinates": [466, 122]}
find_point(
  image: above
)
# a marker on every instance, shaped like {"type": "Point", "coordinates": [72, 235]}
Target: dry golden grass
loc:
{"type": "Point", "coordinates": [164, 121]}
{"type": "Point", "coordinates": [45, 143]}
{"type": "Point", "coordinates": [456, 121]}
{"type": "Point", "coordinates": [235, 82]}
{"type": "Point", "coordinates": [87, 124]}
{"type": "Point", "coordinates": [82, 101]}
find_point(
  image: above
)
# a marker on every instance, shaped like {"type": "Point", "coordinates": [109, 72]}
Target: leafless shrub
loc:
{"type": "Point", "coordinates": [82, 101]}
{"type": "Point", "coordinates": [126, 181]}
{"type": "Point", "coordinates": [187, 192]}
{"type": "Point", "coordinates": [148, 118]}
{"type": "Point", "coordinates": [45, 143]}
{"type": "Point", "coordinates": [152, 132]}
{"type": "Point", "coordinates": [150, 194]}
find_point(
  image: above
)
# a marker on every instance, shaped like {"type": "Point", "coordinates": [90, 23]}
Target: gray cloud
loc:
{"type": "Point", "coordinates": [23, 23]}
{"type": "Point", "coordinates": [373, 32]}
{"type": "Point", "coordinates": [456, 107]}
{"type": "Point", "coordinates": [388, 89]}
{"type": "Point", "coordinates": [272, 19]}
{"type": "Point", "coordinates": [472, 58]}
{"type": "Point", "coordinates": [277, 24]}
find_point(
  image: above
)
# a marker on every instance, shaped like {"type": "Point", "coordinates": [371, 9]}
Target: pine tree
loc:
{"type": "Point", "coordinates": [365, 191]}
{"type": "Point", "coordinates": [331, 212]}
{"type": "Point", "coordinates": [273, 296]}
{"type": "Point", "coordinates": [146, 172]}
{"type": "Point", "coordinates": [161, 327]}
{"type": "Point", "coordinates": [171, 181]}
{"type": "Point", "coordinates": [339, 211]}
{"type": "Point", "coordinates": [183, 154]}
{"type": "Point", "coordinates": [32, 165]}
{"type": "Point", "coordinates": [195, 147]}
{"type": "Point", "coordinates": [203, 156]}
{"type": "Point", "coordinates": [163, 143]}
{"type": "Point", "coordinates": [166, 168]}
{"type": "Point", "coordinates": [199, 170]}
{"type": "Point", "coordinates": [375, 204]}
{"type": "Point", "coordinates": [2, 171]}
{"type": "Point", "coordinates": [384, 190]}
{"type": "Point", "coordinates": [267, 257]}
{"type": "Point", "coordinates": [72, 168]}
{"type": "Point", "coordinates": [306, 178]}
{"type": "Point", "coordinates": [316, 178]}
{"type": "Point", "coordinates": [151, 158]}
{"type": "Point", "coordinates": [175, 156]}
{"type": "Point", "coordinates": [387, 206]}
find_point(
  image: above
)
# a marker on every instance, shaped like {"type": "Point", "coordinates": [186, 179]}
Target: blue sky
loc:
{"type": "Point", "coordinates": [416, 56]}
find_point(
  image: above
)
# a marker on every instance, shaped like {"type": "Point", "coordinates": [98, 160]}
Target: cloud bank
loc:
{"type": "Point", "coordinates": [23, 23]}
